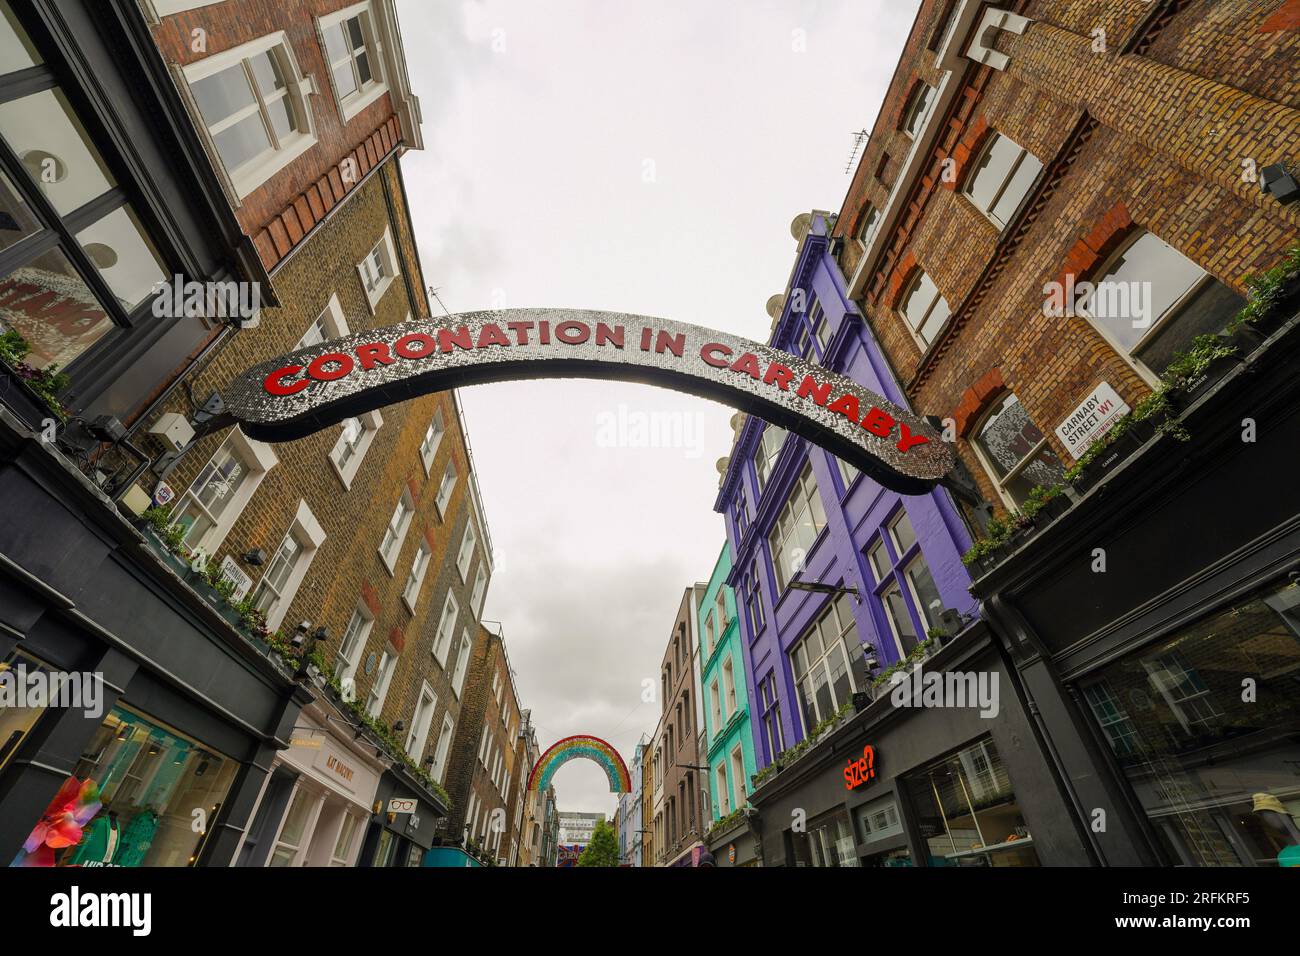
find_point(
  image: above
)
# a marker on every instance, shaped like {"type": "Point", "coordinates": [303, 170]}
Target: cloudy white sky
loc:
{"type": "Point", "coordinates": [641, 157]}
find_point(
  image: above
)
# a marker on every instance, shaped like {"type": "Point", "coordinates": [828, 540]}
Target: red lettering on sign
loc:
{"type": "Point", "coordinates": [878, 422]}
{"type": "Point", "coordinates": [715, 355]}
{"type": "Point", "coordinates": [521, 331]}
{"type": "Point", "coordinates": [778, 375]}
{"type": "Point", "coordinates": [861, 770]}
{"type": "Point", "coordinates": [908, 439]}
{"type": "Point", "coordinates": [318, 371]}
{"type": "Point", "coordinates": [459, 338]}
{"type": "Point", "coordinates": [573, 333]}
{"type": "Point", "coordinates": [748, 364]}
{"type": "Point", "coordinates": [846, 405]}
{"type": "Point", "coordinates": [809, 388]}
{"type": "Point", "coordinates": [275, 382]}
{"type": "Point", "coordinates": [417, 345]}
{"type": "Point", "coordinates": [372, 354]}
{"type": "Point", "coordinates": [491, 334]}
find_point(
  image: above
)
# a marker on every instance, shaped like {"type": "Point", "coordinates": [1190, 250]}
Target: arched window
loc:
{"type": "Point", "coordinates": [870, 224]}
{"type": "Point", "coordinates": [918, 110]}
{"type": "Point", "coordinates": [1001, 178]}
{"type": "Point", "coordinates": [1014, 452]}
{"type": "Point", "coordinates": [1150, 301]}
{"type": "Point", "coordinates": [924, 308]}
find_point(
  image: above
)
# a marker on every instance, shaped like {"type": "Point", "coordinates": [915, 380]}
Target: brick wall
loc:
{"type": "Point", "coordinates": [347, 568]}
{"type": "Point", "coordinates": [1155, 135]}
{"type": "Point", "coordinates": [282, 210]}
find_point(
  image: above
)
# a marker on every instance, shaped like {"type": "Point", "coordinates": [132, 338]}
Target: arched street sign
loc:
{"type": "Point", "coordinates": [314, 387]}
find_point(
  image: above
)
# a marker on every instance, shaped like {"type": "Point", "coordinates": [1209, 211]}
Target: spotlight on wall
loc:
{"type": "Point", "coordinates": [1279, 181]}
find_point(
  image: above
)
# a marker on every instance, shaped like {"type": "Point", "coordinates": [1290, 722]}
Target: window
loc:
{"type": "Point", "coordinates": [765, 455]}
{"type": "Point", "coordinates": [383, 676]}
{"type": "Point", "coordinates": [485, 745]}
{"type": "Point", "coordinates": [352, 643]}
{"type": "Point", "coordinates": [720, 612]}
{"type": "Point", "coordinates": [800, 522]}
{"type": "Point", "coordinates": [253, 105]}
{"type": "Point", "coordinates": [924, 308]}
{"type": "Point", "coordinates": [1014, 452]}
{"type": "Point", "coordinates": [740, 515]}
{"type": "Point", "coordinates": [479, 593]}
{"type": "Point", "coordinates": [466, 553]}
{"type": "Point", "coordinates": [828, 663]}
{"type": "Point", "coordinates": [420, 721]}
{"type": "Point", "coordinates": [925, 593]}
{"type": "Point", "coordinates": [446, 626]}
{"type": "Point", "coordinates": [729, 687]}
{"type": "Point", "coordinates": [432, 439]}
{"type": "Point", "coordinates": [724, 802]}
{"type": "Point", "coordinates": [821, 329]}
{"type": "Point", "coordinates": [900, 619]}
{"type": "Point", "coordinates": [78, 258]}
{"type": "Point", "coordinates": [462, 663]}
{"type": "Point", "coordinates": [445, 488]}
{"type": "Point", "coordinates": [738, 776]}
{"type": "Point", "coordinates": [878, 558]}
{"type": "Point", "coordinates": [1150, 301]}
{"type": "Point", "coordinates": [753, 601]}
{"type": "Point", "coordinates": [870, 224]}
{"type": "Point", "coordinates": [848, 474]}
{"type": "Point", "coordinates": [353, 442]}
{"type": "Point", "coordinates": [918, 110]}
{"type": "Point", "coordinates": [289, 841]}
{"type": "Point", "coordinates": [352, 49]}
{"type": "Point", "coordinates": [411, 593]}
{"type": "Point", "coordinates": [221, 489]}
{"type": "Point", "coordinates": [378, 269]}
{"type": "Point", "coordinates": [1001, 179]}
{"type": "Point", "coordinates": [900, 530]}
{"type": "Point", "coordinates": [329, 325]}
{"type": "Point", "coordinates": [396, 530]}
{"type": "Point", "coordinates": [708, 635]}
{"type": "Point", "coordinates": [342, 854]}
{"type": "Point", "coordinates": [288, 567]}
{"type": "Point", "coordinates": [715, 697]}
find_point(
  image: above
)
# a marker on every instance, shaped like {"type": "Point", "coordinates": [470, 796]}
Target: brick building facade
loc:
{"type": "Point", "coordinates": [1055, 233]}
{"type": "Point", "coordinates": [680, 825]}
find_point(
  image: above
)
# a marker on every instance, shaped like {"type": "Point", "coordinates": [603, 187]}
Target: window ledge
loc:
{"type": "Point", "coordinates": [389, 567]}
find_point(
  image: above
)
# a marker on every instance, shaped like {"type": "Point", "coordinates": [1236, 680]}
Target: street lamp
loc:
{"type": "Point", "coordinates": [818, 588]}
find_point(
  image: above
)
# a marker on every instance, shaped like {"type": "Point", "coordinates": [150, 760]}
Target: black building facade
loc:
{"type": "Point", "coordinates": [159, 756]}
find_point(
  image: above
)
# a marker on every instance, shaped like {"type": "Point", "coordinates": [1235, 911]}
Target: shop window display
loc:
{"type": "Point", "coordinates": [967, 813]}
{"type": "Point", "coordinates": [828, 841]}
{"type": "Point", "coordinates": [140, 796]}
{"type": "Point", "coordinates": [1206, 727]}
{"type": "Point", "coordinates": [16, 721]}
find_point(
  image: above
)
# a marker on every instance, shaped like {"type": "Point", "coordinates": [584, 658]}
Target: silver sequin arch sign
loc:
{"type": "Point", "coordinates": [321, 385]}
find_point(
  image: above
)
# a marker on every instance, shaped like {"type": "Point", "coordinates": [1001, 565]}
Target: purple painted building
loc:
{"type": "Point", "coordinates": [796, 515]}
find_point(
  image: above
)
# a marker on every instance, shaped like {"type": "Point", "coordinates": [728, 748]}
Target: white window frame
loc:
{"type": "Point", "coordinates": [310, 535]}
{"type": "Point", "coordinates": [831, 631]}
{"type": "Point", "coordinates": [939, 300]}
{"type": "Point", "coordinates": [445, 490]}
{"type": "Point", "coordinates": [922, 611]}
{"type": "Point", "coordinates": [724, 790]}
{"type": "Point", "coordinates": [479, 594]}
{"type": "Point", "coordinates": [442, 638]}
{"type": "Point", "coordinates": [258, 459]}
{"type": "Point", "coordinates": [729, 702]}
{"type": "Point", "coordinates": [394, 551]}
{"type": "Point", "coordinates": [370, 423]}
{"type": "Point", "coordinates": [421, 722]}
{"type": "Point", "coordinates": [352, 104]}
{"type": "Point", "coordinates": [462, 663]}
{"type": "Point", "coordinates": [918, 110]}
{"type": "Point", "coordinates": [246, 178]}
{"type": "Point", "coordinates": [715, 699]}
{"type": "Point", "coordinates": [738, 796]}
{"type": "Point", "coordinates": [332, 320]}
{"type": "Point", "coordinates": [415, 580]}
{"type": "Point", "coordinates": [345, 667]}
{"type": "Point", "coordinates": [804, 496]}
{"type": "Point", "coordinates": [429, 451]}
{"type": "Point", "coordinates": [969, 186]}
{"type": "Point", "coordinates": [165, 8]}
{"type": "Point", "coordinates": [392, 269]}
{"type": "Point", "coordinates": [439, 770]}
{"type": "Point", "coordinates": [383, 678]}
{"type": "Point", "coordinates": [871, 219]}
{"type": "Point", "coordinates": [465, 558]}
{"type": "Point", "coordinates": [986, 462]}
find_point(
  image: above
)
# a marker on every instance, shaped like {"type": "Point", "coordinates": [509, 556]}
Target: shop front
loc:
{"type": "Point", "coordinates": [405, 822]}
{"type": "Point", "coordinates": [318, 797]}
{"type": "Point", "coordinates": [923, 785]}
{"type": "Point", "coordinates": [734, 844]}
{"type": "Point", "coordinates": [1171, 690]}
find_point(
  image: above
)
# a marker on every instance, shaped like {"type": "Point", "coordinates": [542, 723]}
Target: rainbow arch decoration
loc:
{"type": "Point", "coordinates": [581, 746]}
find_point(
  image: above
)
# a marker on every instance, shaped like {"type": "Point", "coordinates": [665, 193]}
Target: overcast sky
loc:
{"type": "Point", "coordinates": [642, 157]}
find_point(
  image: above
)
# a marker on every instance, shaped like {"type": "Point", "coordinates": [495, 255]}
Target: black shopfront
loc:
{"type": "Point", "coordinates": [406, 820]}
{"type": "Point", "coordinates": [923, 786]}
{"type": "Point", "coordinates": [105, 192]}
{"type": "Point", "coordinates": [1169, 691]}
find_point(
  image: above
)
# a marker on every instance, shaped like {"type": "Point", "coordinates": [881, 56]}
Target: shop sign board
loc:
{"type": "Point", "coordinates": [1093, 417]}
{"type": "Point", "coordinates": [861, 769]}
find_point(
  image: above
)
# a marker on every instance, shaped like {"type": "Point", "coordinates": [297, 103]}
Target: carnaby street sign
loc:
{"type": "Point", "coordinates": [314, 387]}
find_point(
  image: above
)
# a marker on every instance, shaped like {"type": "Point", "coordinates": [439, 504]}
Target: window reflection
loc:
{"type": "Point", "coordinates": [55, 149]}
{"type": "Point", "coordinates": [124, 256]}
{"type": "Point", "coordinates": [49, 305]}
{"type": "Point", "coordinates": [16, 49]}
{"type": "Point", "coordinates": [16, 219]}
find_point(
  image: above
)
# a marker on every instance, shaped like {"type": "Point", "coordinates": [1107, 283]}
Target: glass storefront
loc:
{"type": "Point", "coordinates": [966, 811]}
{"type": "Point", "coordinates": [141, 795]}
{"type": "Point", "coordinates": [1206, 727]}
{"type": "Point", "coordinates": [16, 717]}
{"type": "Point", "coordinates": [828, 841]}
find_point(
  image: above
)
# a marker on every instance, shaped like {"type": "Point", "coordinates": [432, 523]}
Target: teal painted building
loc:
{"type": "Point", "coordinates": [730, 743]}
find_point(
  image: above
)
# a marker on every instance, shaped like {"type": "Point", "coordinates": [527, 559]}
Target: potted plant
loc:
{"type": "Point", "coordinates": [39, 386]}
{"type": "Point", "coordinates": [1194, 372]}
{"type": "Point", "coordinates": [1272, 297]}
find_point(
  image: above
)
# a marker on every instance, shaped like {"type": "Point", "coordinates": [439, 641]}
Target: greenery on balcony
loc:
{"type": "Point", "coordinates": [46, 382]}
